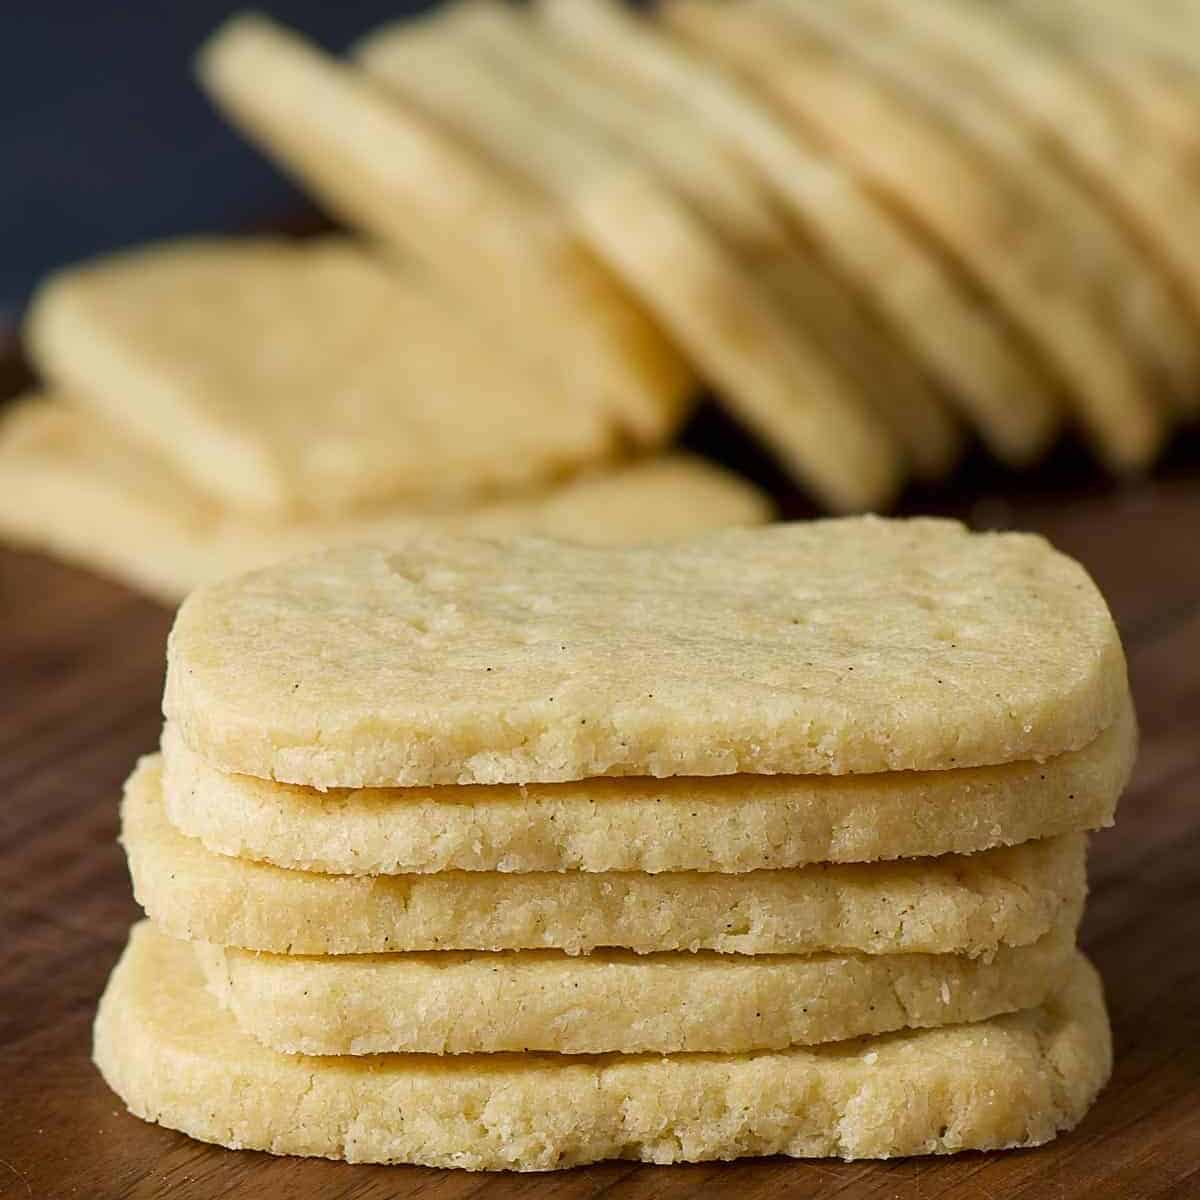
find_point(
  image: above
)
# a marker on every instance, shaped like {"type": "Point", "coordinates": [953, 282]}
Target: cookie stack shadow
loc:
{"type": "Point", "coordinates": [770, 842]}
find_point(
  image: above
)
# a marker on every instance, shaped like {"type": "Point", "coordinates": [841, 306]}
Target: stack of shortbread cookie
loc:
{"type": "Point", "coordinates": [522, 855]}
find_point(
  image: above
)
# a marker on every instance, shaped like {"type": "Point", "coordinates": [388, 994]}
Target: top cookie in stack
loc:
{"type": "Point", "coordinates": [829, 648]}
{"type": "Point", "coordinates": [737, 846]}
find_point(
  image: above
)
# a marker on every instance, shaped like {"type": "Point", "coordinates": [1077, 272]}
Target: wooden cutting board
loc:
{"type": "Point", "coordinates": [80, 679]}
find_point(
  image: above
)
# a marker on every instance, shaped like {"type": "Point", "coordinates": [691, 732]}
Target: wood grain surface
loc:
{"type": "Point", "coordinates": [81, 663]}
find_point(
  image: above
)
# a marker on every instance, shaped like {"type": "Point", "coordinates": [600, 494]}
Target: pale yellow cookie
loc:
{"type": "Point", "coordinates": [449, 63]}
{"type": "Point", "coordinates": [511, 261]}
{"type": "Point", "coordinates": [75, 485]}
{"type": "Point", "coordinates": [971, 904]}
{"type": "Point", "coordinates": [825, 647]}
{"type": "Point", "coordinates": [774, 376]}
{"type": "Point", "coordinates": [983, 368]}
{"type": "Point", "coordinates": [709, 175]}
{"type": "Point", "coordinates": [1013, 251]}
{"type": "Point", "coordinates": [173, 1056]}
{"type": "Point", "coordinates": [885, 372]}
{"type": "Point", "coordinates": [1159, 99]}
{"type": "Point", "coordinates": [306, 378]}
{"type": "Point", "coordinates": [613, 1001]}
{"type": "Point", "coordinates": [1124, 282]}
{"type": "Point", "coordinates": [697, 161]}
{"type": "Point", "coordinates": [687, 823]}
{"type": "Point", "coordinates": [685, 153]}
{"type": "Point", "coordinates": [765, 366]}
{"type": "Point", "coordinates": [1144, 27]}
{"type": "Point", "coordinates": [1063, 99]}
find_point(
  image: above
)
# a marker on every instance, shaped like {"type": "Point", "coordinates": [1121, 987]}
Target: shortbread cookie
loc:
{"type": "Point", "coordinates": [891, 380]}
{"type": "Point", "coordinates": [1130, 28]}
{"type": "Point", "coordinates": [1062, 98]}
{"type": "Point", "coordinates": [822, 647]}
{"type": "Point", "coordinates": [296, 378]}
{"type": "Point", "coordinates": [173, 1056]}
{"type": "Point", "coordinates": [687, 154]}
{"type": "Point", "coordinates": [953, 904]}
{"type": "Point", "coordinates": [1161, 103]}
{"type": "Point", "coordinates": [74, 484]}
{"type": "Point", "coordinates": [766, 367]}
{"type": "Point", "coordinates": [445, 63]}
{"type": "Point", "coordinates": [982, 366]}
{"type": "Point", "coordinates": [424, 57]}
{"type": "Point", "coordinates": [510, 259]}
{"type": "Point", "coordinates": [613, 1001]}
{"type": "Point", "coordinates": [931, 172]}
{"type": "Point", "coordinates": [689, 823]}
{"type": "Point", "coordinates": [1130, 293]}
{"type": "Point", "coordinates": [768, 370]}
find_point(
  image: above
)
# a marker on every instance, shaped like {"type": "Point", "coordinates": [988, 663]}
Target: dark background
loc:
{"type": "Point", "coordinates": [106, 141]}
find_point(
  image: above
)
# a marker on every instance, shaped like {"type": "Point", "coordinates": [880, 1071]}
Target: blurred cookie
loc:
{"type": "Point", "coordinates": [310, 378]}
{"type": "Point", "coordinates": [509, 259]}
{"type": "Point", "coordinates": [73, 484]}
